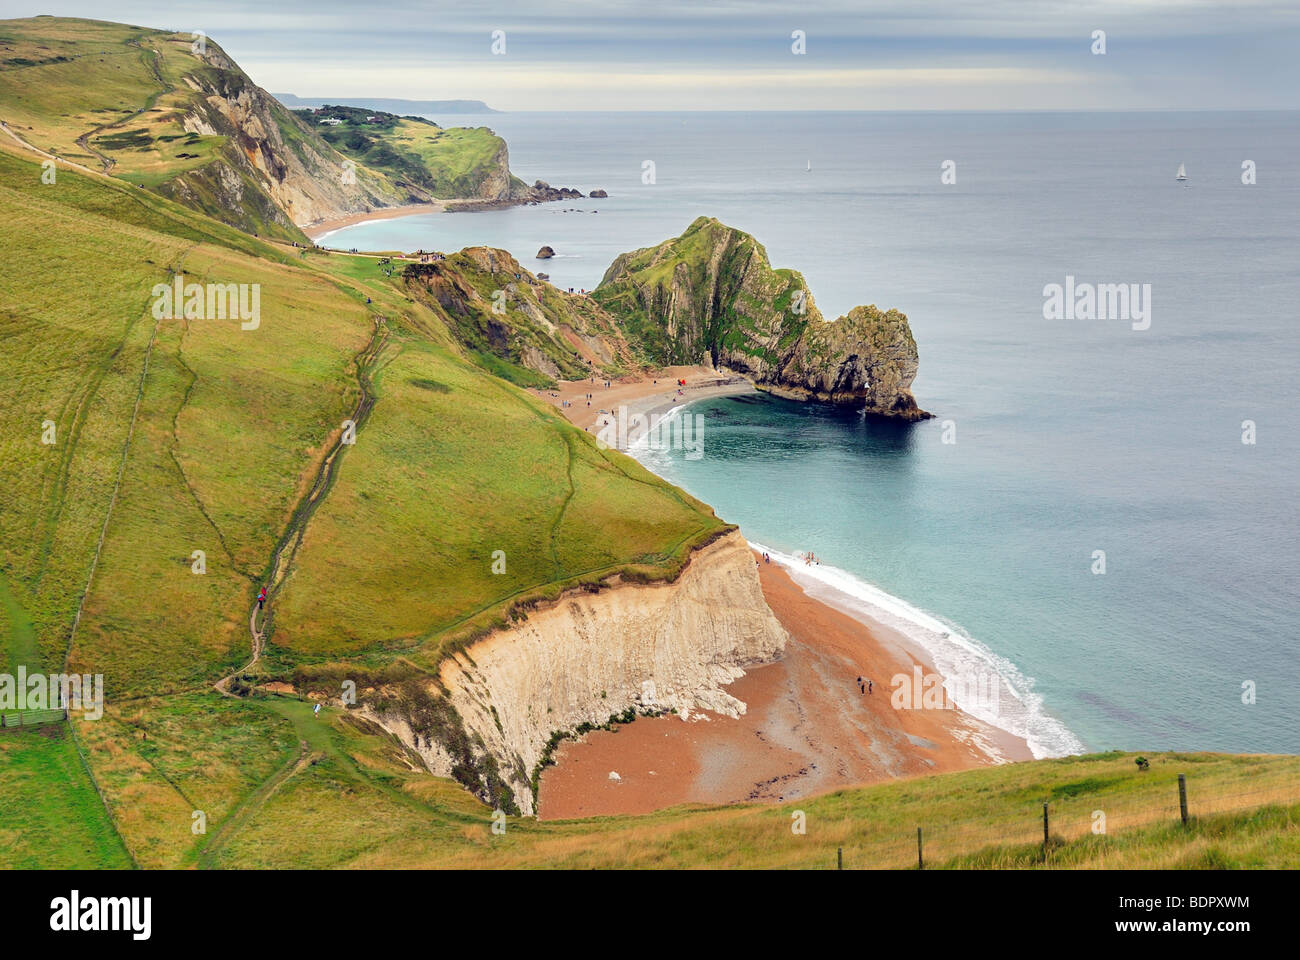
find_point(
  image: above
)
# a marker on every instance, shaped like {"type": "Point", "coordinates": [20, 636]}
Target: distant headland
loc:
{"type": "Point", "coordinates": [388, 104]}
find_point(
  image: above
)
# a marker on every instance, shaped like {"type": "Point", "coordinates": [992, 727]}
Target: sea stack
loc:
{"type": "Point", "coordinates": [545, 253]}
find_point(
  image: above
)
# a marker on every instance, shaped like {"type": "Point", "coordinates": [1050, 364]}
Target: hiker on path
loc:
{"type": "Point", "coordinates": [261, 598]}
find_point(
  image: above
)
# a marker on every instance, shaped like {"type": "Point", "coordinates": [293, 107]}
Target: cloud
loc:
{"type": "Point", "coordinates": [735, 54]}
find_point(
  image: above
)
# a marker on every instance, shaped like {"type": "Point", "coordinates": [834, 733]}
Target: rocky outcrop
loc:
{"type": "Point", "coordinates": [598, 194]}
{"type": "Point", "coordinates": [865, 358]}
{"type": "Point", "coordinates": [708, 296]}
{"type": "Point", "coordinates": [711, 296]}
{"type": "Point", "coordinates": [543, 192]}
{"type": "Point", "coordinates": [273, 172]}
{"type": "Point", "coordinates": [492, 305]}
{"type": "Point", "coordinates": [500, 189]}
{"type": "Point", "coordinates": [589, 656]}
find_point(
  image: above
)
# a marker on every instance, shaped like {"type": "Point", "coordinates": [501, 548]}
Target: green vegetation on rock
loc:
{"type": "Point", "coordinates": [711, 296]}
{"type": "Point", "coordinates": [427, 161]}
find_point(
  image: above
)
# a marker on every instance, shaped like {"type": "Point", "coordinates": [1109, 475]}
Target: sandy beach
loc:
{"type": "Point", "coordinates": [316, 230]}
{"type": "Point", "coordinates": [656, 394]}
{"type": "Point", "coordinates": [808, 728]}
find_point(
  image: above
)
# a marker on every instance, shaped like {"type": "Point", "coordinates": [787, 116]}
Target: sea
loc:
{"type": "Point", "coordinates": [1103, 511]}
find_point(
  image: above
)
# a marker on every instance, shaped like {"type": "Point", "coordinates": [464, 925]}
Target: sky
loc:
{"type": "Point", "coordinates": [740, 54]}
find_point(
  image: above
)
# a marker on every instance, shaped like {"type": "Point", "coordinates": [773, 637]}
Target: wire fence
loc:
{"type": "Point", "coordinates": [1063, 820]}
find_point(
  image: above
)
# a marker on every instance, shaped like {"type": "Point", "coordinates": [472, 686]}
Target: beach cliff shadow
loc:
{"type": "Point", "coordinates": [763, 427]}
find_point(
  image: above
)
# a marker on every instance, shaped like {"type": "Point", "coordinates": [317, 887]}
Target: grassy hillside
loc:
{"type": "Point", "coordinates": [516, 326]}
{"type": "Point", "coordinates": [172, 113]}
{"type": "Point", "coordinates": [172, 434]}
{"type": "Point", "coordinates": [51, 815]}
{"type": "Point", "coordinates": [426, 160]}
{"type": "Point", "coordinates": [336, 792]}
{"type": "Point", "coordinates": [176, 435]}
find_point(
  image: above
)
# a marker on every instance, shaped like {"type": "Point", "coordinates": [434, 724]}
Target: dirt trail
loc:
{"type": "Point", "coordinates": [49, 156]}
{"type": "Point", "coordinates": [149, 57]}
{"type": "Point", "coordinates": [291, 539]}
{"type": "Point", "coordinates": [252, 803]}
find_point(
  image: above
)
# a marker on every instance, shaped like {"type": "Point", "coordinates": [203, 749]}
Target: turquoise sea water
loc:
{"type": "Point", "coordinates": [1071, 435]}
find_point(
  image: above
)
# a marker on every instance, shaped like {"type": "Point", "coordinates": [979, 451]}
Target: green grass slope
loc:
{"type": "Point", "coordinates": [178, 435]}
{"type": "Point", "coordinates": [51, 815]}
{"type": "Point", "coordinates": [172, 435]}
{"type": "Point", "coordinates": [419, 156]}
{"type": "Point", "coordinates": [148, 107]}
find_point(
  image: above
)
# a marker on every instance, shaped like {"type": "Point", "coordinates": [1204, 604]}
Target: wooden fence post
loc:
{"type": "Point", "coordinates": [1044, 828]}
{"type": "Point", "coordinates": [1182, 796]}
{"type": "Point", "coordinates": [839, 858]}
{"type": "Point", "coordinates": [920, 860]}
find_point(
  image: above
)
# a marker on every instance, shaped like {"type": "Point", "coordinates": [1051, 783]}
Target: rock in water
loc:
{"type": "Point", "coordinates": [545, 253]}
{"type": "Point", "coordinates": [543, 192]}
{"type": "Point", "coordinates": [711, 296]}
{"type": "Point", "coordinates": [598, 194]}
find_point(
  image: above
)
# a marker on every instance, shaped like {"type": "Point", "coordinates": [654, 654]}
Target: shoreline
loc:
{"type": "Point", "coordinates": [322, 228]}
{"type": "Point", "coordinates": [808, 728]}
{"type": "Point", "coordinates": [642, 396]}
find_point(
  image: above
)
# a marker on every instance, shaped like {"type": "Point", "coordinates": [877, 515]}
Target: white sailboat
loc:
{"type": "Point", "coordinates": [1182, 172]}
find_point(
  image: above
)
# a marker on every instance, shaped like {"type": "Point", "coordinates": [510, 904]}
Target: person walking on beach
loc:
{"type": "Point", "coordinates": [869, 686]}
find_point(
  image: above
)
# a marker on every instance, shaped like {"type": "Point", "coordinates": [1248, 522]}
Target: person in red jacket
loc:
{"type": "Point", "coordinates": [261, 598]}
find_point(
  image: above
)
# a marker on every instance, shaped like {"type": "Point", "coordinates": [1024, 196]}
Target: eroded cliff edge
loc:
{"type": "Point", "coordinates": [584, 659]}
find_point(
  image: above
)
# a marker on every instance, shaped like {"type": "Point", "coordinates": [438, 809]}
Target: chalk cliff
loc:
{"type": "Point", "coordinates": [589, 656]}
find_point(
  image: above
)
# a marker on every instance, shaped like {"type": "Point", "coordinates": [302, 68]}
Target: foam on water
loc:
{"type": "Point", "coordinates": [1016, 709]}
{"type": "Point", "coordinates": [1054, 461]}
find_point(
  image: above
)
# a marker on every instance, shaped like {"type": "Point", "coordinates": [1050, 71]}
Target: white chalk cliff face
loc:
{"type": "Point", "coordinates": [592, 655]}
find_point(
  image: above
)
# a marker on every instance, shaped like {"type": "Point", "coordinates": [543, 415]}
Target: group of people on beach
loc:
{"type": "Point", "coordinates": [865, 685]}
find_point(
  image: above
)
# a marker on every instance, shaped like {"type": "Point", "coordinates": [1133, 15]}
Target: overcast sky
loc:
{"type": "Point", "coordinates": [737, 54]}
